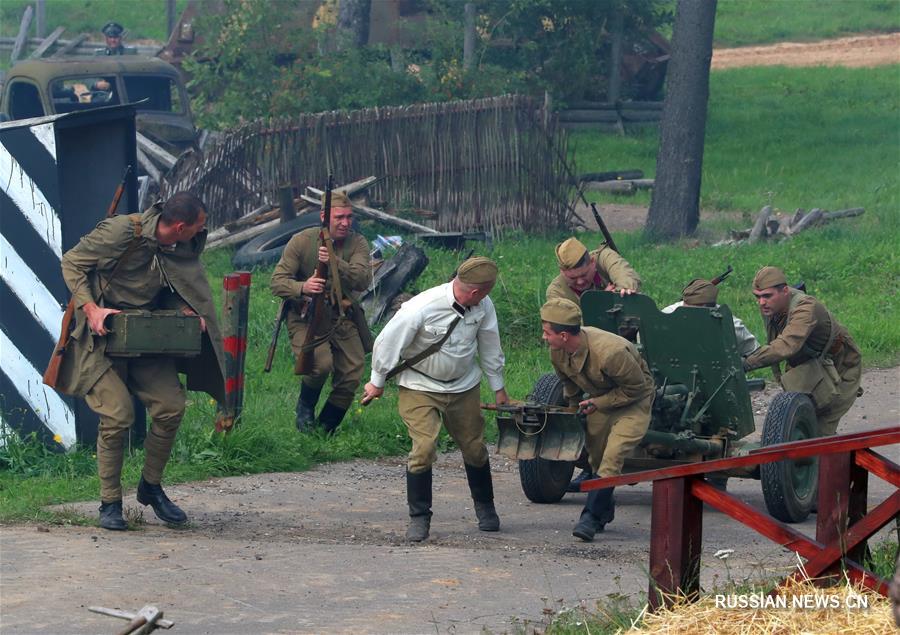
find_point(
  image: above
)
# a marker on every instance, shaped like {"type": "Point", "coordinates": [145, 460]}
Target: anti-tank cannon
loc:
{"type": "Point", "coordinates": [702, 409]}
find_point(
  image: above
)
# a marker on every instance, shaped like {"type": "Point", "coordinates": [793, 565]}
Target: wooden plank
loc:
{"type": "Point", "coordinates": [878, 465]}
{"type": "Point", "coordinates": [381, 216]}
{"type": "Point", "coordinates": [21, 38]}
{"type": "Point", "coordinates": [148, 165]}
{"type": "Point", "coordinates": [845, 213]}
{"type": "Point", "coordinates": [843, 488]}
{"type": "Point", "coordinates": [155, 151]}
{"type": "Point", "coordinates": [71, 45]}
{"type": "Point", "coordinates": [779, 532]}
{"type": "Point", "coordinates": [49, 41]}
{"type": "Point", "coordinates": [760, 225]}
{"type": "Point", "coordinates": [855, 536]}
{"type": "Point", "coordinates": [770, 454]}
{"type": "Point", "coordinates": [676, 525]}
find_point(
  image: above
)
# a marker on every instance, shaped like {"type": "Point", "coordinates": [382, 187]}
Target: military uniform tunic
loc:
{"type": "Point", "coordinates": [343, 354]}
{"type": "Point", "coordinates": [152, 276]}
{"type": "Point", "coordinates": [611, 268]}
{"type": "Point", "coordinates": [801, 334]}
{"type": "Point", "coordinates": [609, 369]}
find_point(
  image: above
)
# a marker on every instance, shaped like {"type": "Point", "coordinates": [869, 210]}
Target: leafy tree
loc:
{"type": "Point", "coordinates": [265, 61]}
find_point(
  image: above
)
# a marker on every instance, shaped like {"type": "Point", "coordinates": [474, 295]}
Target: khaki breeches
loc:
{"type": "Point", "coordinates": [424, 412]}
{"type": "Point", "coordinates": [155, 382]}
{"type": "Point", "coordinates": [612, 435]}
{"type": "Point", "coordinates": [342, 357]}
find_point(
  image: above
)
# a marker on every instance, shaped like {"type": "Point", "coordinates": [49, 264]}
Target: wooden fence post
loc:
{"type": "Point", "coordinates": [676, 524]}
{"type": "Point", "coordinates": [843, 492]}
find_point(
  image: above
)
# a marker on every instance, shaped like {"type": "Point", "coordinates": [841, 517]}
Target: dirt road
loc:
{"type": "Point", "coordinates": [323, 551]}
{"type": "Point", "coordinates": [856, 51]}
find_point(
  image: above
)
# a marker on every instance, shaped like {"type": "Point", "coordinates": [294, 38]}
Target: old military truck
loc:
{"type": "Point", "coordinates": [702, 409]}
{"type": "Point", "coordinates": [51, 86]}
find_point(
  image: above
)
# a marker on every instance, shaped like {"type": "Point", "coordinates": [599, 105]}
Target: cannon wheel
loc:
{"type": "Point", "coordinates": [546, 481]}
{"type": "Point", "coordinates": [790, 488]}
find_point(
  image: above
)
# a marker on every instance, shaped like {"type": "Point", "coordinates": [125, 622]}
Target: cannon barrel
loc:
{"type": "Point", "coordinates": [683, 443]}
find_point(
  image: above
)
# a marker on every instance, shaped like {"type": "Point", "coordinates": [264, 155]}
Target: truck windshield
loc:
{"type": "Point", "coordinates": [83, 93]}
{"type": "Point", "coordinates": [161, 92]}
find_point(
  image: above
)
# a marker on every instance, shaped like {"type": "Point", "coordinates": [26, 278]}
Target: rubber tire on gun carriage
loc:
{"type": "Point", "coordinates": [546, 481]}
{"type": "Point", "coordinates": [790, 488]}
{"type": "Point", "coordinates": [266, 249]}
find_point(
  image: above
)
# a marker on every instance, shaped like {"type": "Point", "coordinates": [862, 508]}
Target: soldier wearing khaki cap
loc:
{"type": "Point", "coordinates": [431, 345]}
{"type": "Point", "coordinates": [340, 355]}
{"type": "Point", "coordinates": [581, 270]}
{"type": "Point", "coordinates": [605, 376]}
{"type": "Point", "coordinates": [821, 359]}
{"type": "Point", "coordinates": [703, 293]}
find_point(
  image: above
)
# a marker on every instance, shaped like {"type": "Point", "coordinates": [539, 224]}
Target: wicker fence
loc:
{"type": "Point", "coordinates": [491, 164]}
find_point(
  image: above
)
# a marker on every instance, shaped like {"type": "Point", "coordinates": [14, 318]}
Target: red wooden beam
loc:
{"type": "Point", "coordinates": [858, 532]}
{"type": "Point", "coordinates": [676, 524]}
{"type": "Point", "coordinates": [778, 532]}
{"type": "Point", "coordinates": [780, 452]}
{"type": "Point", "coordinates": [878, 465]}
{"type": "Point", "coordinates": [843, 494]}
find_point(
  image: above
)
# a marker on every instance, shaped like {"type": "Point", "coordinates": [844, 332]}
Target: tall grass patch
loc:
{"type": "Point", "coordinates": [745, 22]}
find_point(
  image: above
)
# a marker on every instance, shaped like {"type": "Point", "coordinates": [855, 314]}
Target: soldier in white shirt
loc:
{"type": "Point", "coordinates": [703, 293]}
{"type": "Point", "coordinates": [430, 345]}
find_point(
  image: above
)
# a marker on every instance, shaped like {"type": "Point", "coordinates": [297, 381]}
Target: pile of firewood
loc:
{"type": "Point", "coordinates": [270, 215]}
{"type": "Point", "coordinates": [771, 225]}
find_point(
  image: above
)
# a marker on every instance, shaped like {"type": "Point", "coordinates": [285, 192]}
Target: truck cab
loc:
{"type": "Point", "coordinates": [36, 88]}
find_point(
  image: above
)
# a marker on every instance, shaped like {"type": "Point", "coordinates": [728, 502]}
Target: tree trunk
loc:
{"type": "Point", "coordinates": [469, 36]}
{"type": "Point", "coordinates": [675, 206]}
{"type": "Point", "coordinates": [353, 19]}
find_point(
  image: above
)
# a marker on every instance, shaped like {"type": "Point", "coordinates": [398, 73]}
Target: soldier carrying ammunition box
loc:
{"type": "Point", "coordinates": [143, 262]}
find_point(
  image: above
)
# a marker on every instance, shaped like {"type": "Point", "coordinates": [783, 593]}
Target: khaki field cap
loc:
{"type": "Point", "coordinates": [768, 277]}
{"type": "Point", "coordinates": [700, 291]}
{"type": "Point", "coordinates": [569, 252]}
{"type": "Point", "coordinates": [339, 199]}
{"type": "Point", "coordinates": [477, 270]}
{"type": "Point", "coordinates": [561, 311]}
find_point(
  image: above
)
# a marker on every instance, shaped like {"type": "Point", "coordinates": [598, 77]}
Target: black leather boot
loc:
{"type": "Point", "coordinates": [575, 485]}
{"type": "Point", "coordinates": [306, 406]}
{"type": "Point", "coordinates": [111, 516]}
{"type": "Point", "coordinates": [418, 497]}
{"type": "Point", "coordinates": [165, 509]}
{"type": "Point", "coordinates": [331, 416]}
{"type": "Point", "coordinates": [482, 487]}
{"type": "Point", "coordinates": [597, 513]}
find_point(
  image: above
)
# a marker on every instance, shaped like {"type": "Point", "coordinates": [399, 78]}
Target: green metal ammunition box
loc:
{"type": "Point", "coordinates": [139, 333]}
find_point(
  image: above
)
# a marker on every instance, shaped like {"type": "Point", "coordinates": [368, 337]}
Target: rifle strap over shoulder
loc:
{"type": "Point", "coordinates": [132, 246]}
{"type": "Point", "coordinates": [428, 352]}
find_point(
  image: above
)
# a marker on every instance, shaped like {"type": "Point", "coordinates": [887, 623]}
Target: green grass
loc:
{"type": "Point", "coordinates": [792, 138]}
{"type": "Point", "coordinates": [144, 19]}
{"type": "Point", "coordinates": [745, 22]}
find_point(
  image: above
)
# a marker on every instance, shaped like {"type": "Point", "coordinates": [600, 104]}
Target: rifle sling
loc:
{"type": "Point", "coordinates": [428, 352]}
{"type": "Point", "coordinates": [132, 246]}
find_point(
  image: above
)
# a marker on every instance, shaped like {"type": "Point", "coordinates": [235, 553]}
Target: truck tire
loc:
{"type": "Point", "coordinates": [266, 248]}
{"type": "Point", "coordinates": [790, 488]}
{"type": "Point", "coordinates": [546, 481]}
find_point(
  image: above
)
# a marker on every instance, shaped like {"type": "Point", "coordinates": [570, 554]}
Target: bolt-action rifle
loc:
{"type": "Point", "coordinates": [317, 307]}
{"type": "Point", "coordinates": [607, 237]}
{"type": "Point", "coordinates": [51, 375]}
{"type": "Point", "coordinates": [719, 278]}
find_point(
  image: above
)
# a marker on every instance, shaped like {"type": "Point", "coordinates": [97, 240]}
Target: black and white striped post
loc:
{"type": "Point", "coordinates": [57, 176]}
